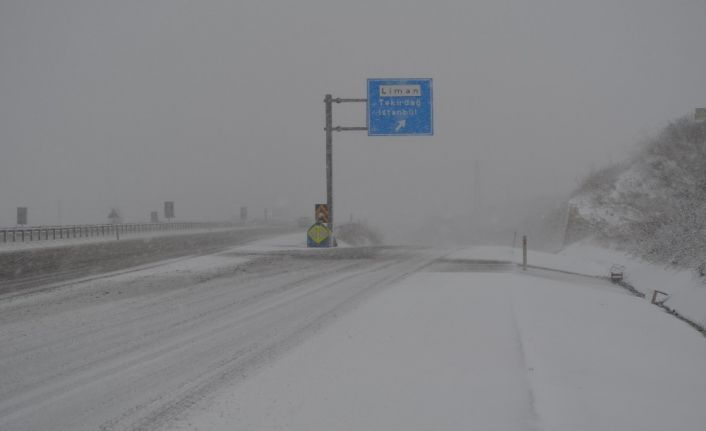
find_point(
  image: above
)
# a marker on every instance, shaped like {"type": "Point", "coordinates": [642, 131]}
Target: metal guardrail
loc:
{"type": "Point", "coordinates": [50, 233]}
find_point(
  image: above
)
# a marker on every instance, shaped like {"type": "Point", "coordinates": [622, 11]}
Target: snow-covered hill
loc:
{"type": "Point", "coordinates": [654, 205]}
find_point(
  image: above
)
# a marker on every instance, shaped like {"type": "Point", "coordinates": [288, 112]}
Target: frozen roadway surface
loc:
{"type": "Point", "coordinates": [272, 336]}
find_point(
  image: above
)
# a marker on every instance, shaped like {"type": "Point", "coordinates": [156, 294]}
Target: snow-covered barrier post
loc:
{"type": "Point", "coordinates": [616, 273]}
{"type": "Point", "coordinates": [524, 252]}
{"type": "Point", "coordinates": [655, 293]}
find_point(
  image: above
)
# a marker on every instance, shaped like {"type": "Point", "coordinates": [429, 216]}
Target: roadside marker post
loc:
{"type": "Point", "coordinates": [524, 252]}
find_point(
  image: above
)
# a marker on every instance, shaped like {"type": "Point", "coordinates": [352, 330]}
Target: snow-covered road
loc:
{"type": "Point", "coordinates": [480, 351]}
{"type": "Point", "coordinates": [270, 336]}
{"type": "Point", "coordinates": [133, 351]}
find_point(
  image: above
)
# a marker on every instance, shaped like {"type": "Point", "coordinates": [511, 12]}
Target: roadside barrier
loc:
{"type": "Point", "coordinates": [51, 233]}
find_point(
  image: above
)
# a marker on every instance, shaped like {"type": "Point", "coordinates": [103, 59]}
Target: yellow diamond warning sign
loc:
{"type": "Point", "coordinates": [318, 236]}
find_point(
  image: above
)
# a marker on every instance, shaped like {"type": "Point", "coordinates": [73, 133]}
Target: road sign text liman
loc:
{"type": "Point", "coordinates": [400, 91]}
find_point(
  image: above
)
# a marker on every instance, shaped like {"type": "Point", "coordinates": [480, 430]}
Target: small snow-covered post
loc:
{"type": "Point", "coordinates": [655, 293]}
{"type": "Point", "coordinates": [524, 252]}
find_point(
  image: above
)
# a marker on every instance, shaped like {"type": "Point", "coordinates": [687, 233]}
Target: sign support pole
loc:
{"type": "Point", "coordinates": [329, 159]}
{"type": "Point", "coordinates": [328, 101]}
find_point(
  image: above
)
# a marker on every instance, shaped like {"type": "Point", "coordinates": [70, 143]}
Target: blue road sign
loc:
{"type": "Point", "coordinates": [400, 107]}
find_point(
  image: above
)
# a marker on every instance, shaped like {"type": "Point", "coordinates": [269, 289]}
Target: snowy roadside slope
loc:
{"type": "Point", "coordinates": [687, 292]}
{"type": "Point", "coordinates": [484, 351]}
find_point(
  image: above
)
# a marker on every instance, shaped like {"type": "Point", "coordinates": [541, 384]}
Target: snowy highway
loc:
{"type": "Point", "coordinates": [135, 350]}
{"type": "Point", "coordinates": [273, 336]}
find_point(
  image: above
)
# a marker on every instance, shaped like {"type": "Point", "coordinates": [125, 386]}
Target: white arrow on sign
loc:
{"type": "Point", "coordinates": [400, 125]}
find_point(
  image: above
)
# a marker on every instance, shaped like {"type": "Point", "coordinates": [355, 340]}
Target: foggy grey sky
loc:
{"type": "Point", "coordinates": [218, 104]}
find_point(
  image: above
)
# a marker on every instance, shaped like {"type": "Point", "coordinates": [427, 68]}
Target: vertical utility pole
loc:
{"type": "Point", "coordinates": [328, 100]}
